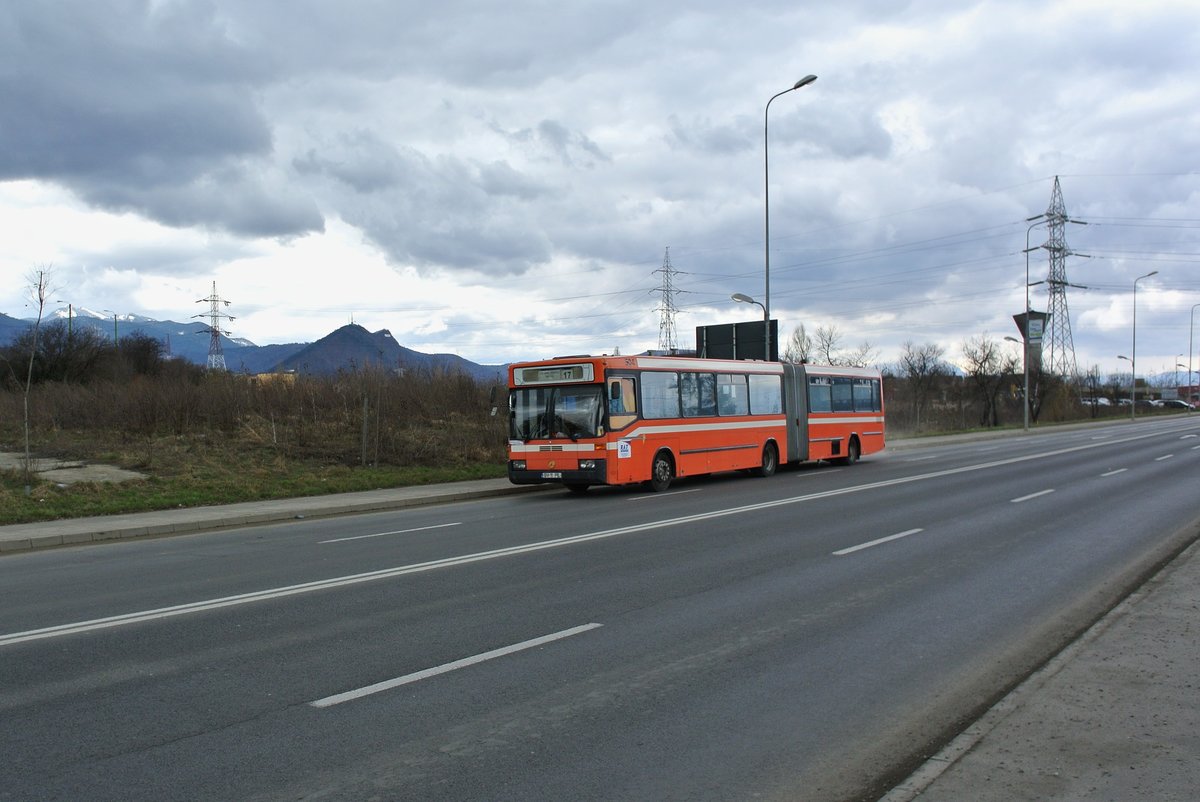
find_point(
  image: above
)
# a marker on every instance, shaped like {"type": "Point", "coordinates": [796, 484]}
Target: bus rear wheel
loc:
{"type": "Point", "coordinates": [770, 461]}
{"type": "Point", "coordinates": [662, 471]}
{"type": "Point", "coordinates": [853, 452]}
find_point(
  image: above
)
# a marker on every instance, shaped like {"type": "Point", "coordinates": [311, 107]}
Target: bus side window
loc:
{"type": "Point", "coordinates": [843, 400]}
{"type": "Point", "coordinates": [699, 394]}
{"type": "Point", "coordinates": [732, 397]}
{"type": "Point", "coordinates": [820, 395]}
{"type": "Point", "coordinates": [622, 403]}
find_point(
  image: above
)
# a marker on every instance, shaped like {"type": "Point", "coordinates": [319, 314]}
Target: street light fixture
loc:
{"type": "Point", "coordinates": [805, 81]}
{"type": "Point", "coordinates": [1133, 360]}
{"type": "Point", "coordinates": [746, 299]}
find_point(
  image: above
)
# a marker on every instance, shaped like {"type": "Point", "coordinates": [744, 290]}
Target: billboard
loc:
{"type": "Point", "coordinates": [738, 340]}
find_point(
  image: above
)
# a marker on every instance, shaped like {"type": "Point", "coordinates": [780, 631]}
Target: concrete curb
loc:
{"type": "Point", "coordinates": [163, 523]}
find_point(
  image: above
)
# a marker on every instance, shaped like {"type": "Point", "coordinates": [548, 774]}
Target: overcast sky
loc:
{"type": "Point", "coordinates": [502, 180]}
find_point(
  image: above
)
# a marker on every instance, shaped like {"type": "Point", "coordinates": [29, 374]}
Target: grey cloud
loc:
{"type": "Point", "coordinates": [177, 260]}
{"type": "Point", "coordinates": [231, 200]}
{"type": "Point", "coordinates": [360, 160]}
{"type": "Point", "coordinates": [499, 178]}
{"type": "Point", "coordinates": [148, 107]}
{"type": "Point", "coordinates": [551, 140]}
{"type": "Point", "coordinates": [433, 213]}
{"type": "Point", "coordinates": [703, 135]}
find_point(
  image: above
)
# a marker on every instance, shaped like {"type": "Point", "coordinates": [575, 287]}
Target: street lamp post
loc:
{"type": "Point", "coordinates": [766, 305]}
{"type": "Point", "coordinates": [70, 315]}
{"type": "Point", "coordinates": [1191, 337]}
{"type": "Point", "coordinates": [746, 299]}
{"type": "Point", "coordinates": [1131, 381]}
{"type": "Point", "coordinates": [116, 342]}
{"type": "Point", "coordinates": [1133, 359]}
{"type": "Point", "coordinates": [1040, 220]}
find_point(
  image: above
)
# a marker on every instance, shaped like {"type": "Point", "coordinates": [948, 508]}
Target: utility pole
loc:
{"type": "Point", "coordinates": [216, 355]}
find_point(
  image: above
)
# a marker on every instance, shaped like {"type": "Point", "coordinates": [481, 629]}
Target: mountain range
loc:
{"type": "Point", "coordinates": [346, 348]}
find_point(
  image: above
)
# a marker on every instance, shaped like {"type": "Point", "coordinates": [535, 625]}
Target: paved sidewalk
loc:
{"type": "Point", "coordinates": [1115, 717]}
{"type": "Point", "coordinates": [48, 534]}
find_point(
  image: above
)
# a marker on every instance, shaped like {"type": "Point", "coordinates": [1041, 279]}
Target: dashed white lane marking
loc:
{"type": "Point", "coordinates": [397, 532]}
{"type": "Point", "coordinates": [869, 544]}
{"type": "Point", "coordinates": [1032, 496]}
{"type": "Point", "coordinates": [386, 685]}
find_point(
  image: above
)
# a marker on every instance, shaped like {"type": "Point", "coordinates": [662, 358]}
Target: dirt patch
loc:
{"type": "Point", "coordinates": [68, 471]}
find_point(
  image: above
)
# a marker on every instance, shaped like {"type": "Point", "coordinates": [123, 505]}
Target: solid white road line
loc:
{"type": "Point", "coordinates": [384, 534]}
{"type": "Point", "coordinates": [358, 693]}
{"type": "Point", "coordinates": [889, 538]}
{"type": "Point", "coordinates": [1165, 456]}
{"type": "Point", "coordinates": [1115, 472]}
{"type": "Point", "coordinates": [1032, 495]}
{"type": "Point", "coordinates": [649, 496]}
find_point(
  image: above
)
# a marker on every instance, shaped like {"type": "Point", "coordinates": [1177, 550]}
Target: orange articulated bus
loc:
{"type": "Point", "coordinates": [617, 420]}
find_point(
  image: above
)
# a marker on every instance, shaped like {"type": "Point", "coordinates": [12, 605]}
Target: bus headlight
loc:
{"type": "Point", "coordinates": [587, 464]}
{"type": "Point", "coordinates": [518, 464]}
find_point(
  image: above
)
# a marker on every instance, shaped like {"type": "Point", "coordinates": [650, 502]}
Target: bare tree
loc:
{"type": "Point", "coordinates": [864, 356]}
{"type": "Point", "coordinates": [827, 344]}
{"type": "Point", "coordinates": [922, 366]}
{"type": "Point", "coordinates": [988, 367]}
{"type": "Point", "coordinates": [799, 346]}
{"type": "Point", "coordinates": [40, 291]}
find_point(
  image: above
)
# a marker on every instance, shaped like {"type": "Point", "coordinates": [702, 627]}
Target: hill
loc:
{"type": "Point", "coordinates": [344, 349]}
{"type": "Point", "coordinates": [10, 328]}
{"type": "Point", "coordinates": [353, 346]}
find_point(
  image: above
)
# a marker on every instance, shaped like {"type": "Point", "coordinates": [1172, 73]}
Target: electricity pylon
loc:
{"type": "Point", "coordinates": [666, 305]}
{"type": "Point", "coordinates": [216, 355]}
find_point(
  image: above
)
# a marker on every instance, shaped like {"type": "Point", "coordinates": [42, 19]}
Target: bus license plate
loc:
{"type": "Point", "coordinates": [551, 474]}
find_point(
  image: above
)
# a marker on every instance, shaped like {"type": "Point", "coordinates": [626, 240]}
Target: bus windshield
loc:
{"type": "Point", "coordinates": [549, 412]}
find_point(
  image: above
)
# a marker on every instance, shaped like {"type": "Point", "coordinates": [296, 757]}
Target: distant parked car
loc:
{"type": "Point", "coordinates": [1099, 401]}
{"type": "Point", "coordinates": [1173, 403]}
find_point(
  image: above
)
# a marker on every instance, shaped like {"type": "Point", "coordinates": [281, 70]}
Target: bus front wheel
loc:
{"type": "Point", "coordinates": [662, 471]}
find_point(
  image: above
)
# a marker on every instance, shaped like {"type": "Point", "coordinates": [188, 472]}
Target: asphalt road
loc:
{"type": "Point", "coordinates": [809, 636]}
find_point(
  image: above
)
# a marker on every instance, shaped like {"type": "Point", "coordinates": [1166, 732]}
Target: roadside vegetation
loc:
{"type": "Point", "coordinates": [212, 437]}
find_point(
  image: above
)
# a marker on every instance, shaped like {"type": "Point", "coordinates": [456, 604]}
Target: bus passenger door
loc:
{"type": "Point", "coordinates": [621, 392]}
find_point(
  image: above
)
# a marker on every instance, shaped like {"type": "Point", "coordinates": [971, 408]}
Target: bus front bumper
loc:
{"type": "Point", "coordinates": [596, 475]}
